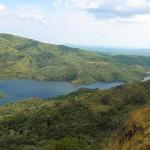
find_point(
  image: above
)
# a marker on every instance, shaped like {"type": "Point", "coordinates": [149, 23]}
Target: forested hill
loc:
{"type": "Point", "coordinates": [115, 119]}
{"type": "Point", "coordinates": [30, 59]}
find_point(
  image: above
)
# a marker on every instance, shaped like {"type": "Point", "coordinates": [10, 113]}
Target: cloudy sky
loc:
{"type": "Point", "coordinates": [123, 23]}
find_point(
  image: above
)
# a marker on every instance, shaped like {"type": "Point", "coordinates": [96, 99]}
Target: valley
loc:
{"type": "Point", "coordinates": [75, 75]}
{"type": "Point", "coordinates": [107, 102]}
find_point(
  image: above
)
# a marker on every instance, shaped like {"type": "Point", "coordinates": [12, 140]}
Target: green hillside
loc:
{"type": "Point", "coordinates": [29, 59]}
{"type": "Point", "coordinates": [83, 120]}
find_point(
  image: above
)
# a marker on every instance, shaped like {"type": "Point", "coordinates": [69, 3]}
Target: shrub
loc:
{"type": "Point", "coordinates": [66, 144]}
{"type": "Point", "coordinates": [105, 100]}
{"type": "Point", "coordinates": [136, 98]}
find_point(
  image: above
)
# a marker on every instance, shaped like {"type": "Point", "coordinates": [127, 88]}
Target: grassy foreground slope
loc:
{"type": "Point", "coordinates": [135, 133]}
{"type": "Point", "coordinates": [30, 59]}
{"type": "Point", "coordinates": [83, 120]}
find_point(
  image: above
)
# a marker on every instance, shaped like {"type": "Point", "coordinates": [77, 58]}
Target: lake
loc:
{"type": "Point", "coordinates": [146, 78]}
{"type": "Point", "coordinates": [15, 90]}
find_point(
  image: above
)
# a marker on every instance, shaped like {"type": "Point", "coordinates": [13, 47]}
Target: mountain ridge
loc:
{"type": "Point", "coordinates": [23, 58]}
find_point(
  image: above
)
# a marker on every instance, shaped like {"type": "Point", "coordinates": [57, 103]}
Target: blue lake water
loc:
{"type": "Point", "coordinates": [21, 89]}
{"type": "Point", "coordinates": [146, 78]}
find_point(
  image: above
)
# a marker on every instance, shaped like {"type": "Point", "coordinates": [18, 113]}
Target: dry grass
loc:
{"type": "Point", "coordinates": [135, 134]}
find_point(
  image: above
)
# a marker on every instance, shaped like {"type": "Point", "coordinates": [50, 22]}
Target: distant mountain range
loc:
{"type": "Point", "coordinates": [115, 50]}
{"type": "Point", "coordinates": [22, 58]}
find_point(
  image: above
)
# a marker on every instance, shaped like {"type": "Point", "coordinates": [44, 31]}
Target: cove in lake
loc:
{"type": "Point", "coordinates": [15, 90]}
{"type": "Point", "coordinates": [146, 78]}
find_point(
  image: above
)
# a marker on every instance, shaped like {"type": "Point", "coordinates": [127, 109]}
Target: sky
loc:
{"type": "Point", "coordinates": [118, 23]}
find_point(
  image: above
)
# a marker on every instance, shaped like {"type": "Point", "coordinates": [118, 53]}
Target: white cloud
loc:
{"type": "Point", "coordinates": [57, 3]}
{"type": "Point", "coordinates": [34, 15]}
{"type": "Point", "coordinates": [2, 8]}
{"type": "Point", "coordinates": [81, 4]}
{"type": "Point", "coordinates": [138, 3]}
{"type": "Point", "coordinates": [110, 9]}
{"type": "Point", "coordinates": [134, 19]}
{"type": "Point", "coordinates": [125, 23]}
{"type": "Point", "coordinates": [85, 4]}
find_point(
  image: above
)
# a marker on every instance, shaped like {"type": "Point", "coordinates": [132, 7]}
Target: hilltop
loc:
{"type": "Point", "coordinates": [22, 58]}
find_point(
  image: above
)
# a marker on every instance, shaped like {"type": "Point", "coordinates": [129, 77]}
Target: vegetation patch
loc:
{"type": "Point", "coordinates": [83, 120]}
{"type": "Point", "coordinates": [22, 58]}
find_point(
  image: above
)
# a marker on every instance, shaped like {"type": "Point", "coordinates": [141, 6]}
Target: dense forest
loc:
{"type": "Point", "coordinates": [22, 58]}
{"type": "Point", "coordinates": [114, 119]}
